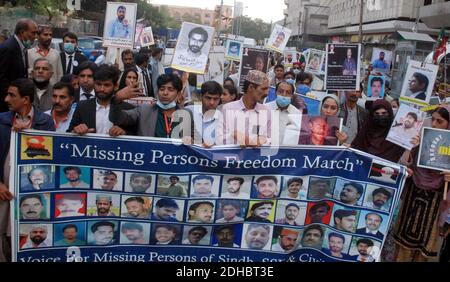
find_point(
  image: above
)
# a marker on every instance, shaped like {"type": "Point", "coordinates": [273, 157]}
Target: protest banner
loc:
{"type": "Point", "coordinates": [279, 38]}
{"type": "Point", "coordinates": [315, 61]}
{"type": "Point", "coordinates": [120, 25]}
{"type": "Point", "coordinates": [343, 66]}
{"type": "Point", "coordinates": [381, 60]}
{"type": "Point", "coordinates": [233, 50]}
{"type": "Point", "coordinates": [193, 47]}
{"type": "Point", "coordinates": [419, 83]}
{"type": "Point", "coordinates": [434, 150]}
{"type": "Point", "coordinates": [253, 59]}
{"type": "Point", "coordinates": [376, 87]}
{"type": "Point", "coordinates": [407, 125]}
{"type": "Point", "coordinates": [146, 38]}
{"type": "Point", "coordinates": [138, 199]}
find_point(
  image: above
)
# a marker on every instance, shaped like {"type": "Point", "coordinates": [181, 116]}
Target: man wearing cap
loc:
{"type": "Point", "coordinates": [380, 197]}
{"type": "Point", "coordinates": [104, 204]}
{"type": "Point", "coordinates": [286, 241]}
{"type": "Point", "coordinates": [345, 220]}
{"type": "Point", "coordinates": [37, 237]}
{"type": "Point", "coordinates": [246, 122]}
{"type": "Point", "coordinates": [351, 193]}
{"type": "Point", "coordinates": [290, 215]}
{"type": "Point", "coordinates": [174, 189]}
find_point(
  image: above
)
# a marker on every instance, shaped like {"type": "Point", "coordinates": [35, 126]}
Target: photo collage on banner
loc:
{"type": "Point", "coordinates": [343, 69]}
{"type": "Point", "coordinates": [193, 47]}
{"type": "Point", "coordinates": [120, 25]}
{"type": "Point", "coordinates": [133, 206]}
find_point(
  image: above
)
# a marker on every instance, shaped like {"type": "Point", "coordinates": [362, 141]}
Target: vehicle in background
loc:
{"type": "Point", "coordinates": [91, 46]}
{"type": "Point", "coordinates": [57, 44]}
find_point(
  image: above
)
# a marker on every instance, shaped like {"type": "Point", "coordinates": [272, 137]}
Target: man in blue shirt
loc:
{"type": "Point", "coordinates": [349, 65]}
{"type": "Point", "coordinates": [119, 28]}
{"type": "Point", "coordinates": [381, 63]}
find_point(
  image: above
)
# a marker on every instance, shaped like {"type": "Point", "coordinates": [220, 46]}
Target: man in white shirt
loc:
{"type": "Point", "coordinates": [363, 246]}
{"type": "Point", "coordinates": [37, 237]}
{"type": "Point", "coordinates": [234, 189]}
{"type": "Point", "coordinates": [287, 240]}
{"type": "Point", "coordinates": [41, 74]}
{"type": "Point", "coordinates": [63, 106]}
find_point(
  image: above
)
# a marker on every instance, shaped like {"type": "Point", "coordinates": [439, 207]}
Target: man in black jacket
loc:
{"type": "Point", "coordinates": [13, 56]}
{"type": "Point", "coordinates": [71, 58]}
{"type": "Point", "coordinates": [92, 116]}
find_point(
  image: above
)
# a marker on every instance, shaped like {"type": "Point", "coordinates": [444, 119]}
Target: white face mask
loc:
{"type": "Point", "coordinates": [169, 106]}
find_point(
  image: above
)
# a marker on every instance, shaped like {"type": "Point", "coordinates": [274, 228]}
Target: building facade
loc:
{"type": "Point", "coordinates": [435, 13]}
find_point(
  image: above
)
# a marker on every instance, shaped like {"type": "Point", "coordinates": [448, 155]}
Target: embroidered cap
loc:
{"type": "Point", "coordinates": [256, 77]}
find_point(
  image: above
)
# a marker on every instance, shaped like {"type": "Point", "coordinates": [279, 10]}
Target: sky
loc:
{"type": "Point", "coordinates": [267, 10]}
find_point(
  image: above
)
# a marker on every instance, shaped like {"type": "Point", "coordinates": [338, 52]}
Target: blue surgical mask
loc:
{"type": "Point", "coordinates": [303, 89]}
{"type": "Point", "coordinates": [283, 102]}
{"type": "Point", "coordinates": [69, 48]}
{"type": "Point", "coordinates": [169, 106]}
{"type": "Point", "coordinates": [290, 81]}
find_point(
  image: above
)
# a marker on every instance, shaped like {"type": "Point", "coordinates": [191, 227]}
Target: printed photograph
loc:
{"type": "Point", "coordinates": [108, 180]}
{"type": "Point", "coordinates": [173, 185]}
{"type": "Point", "coordinates": [319, 130]}
{"type": "Point", "coordinates": [103, 205]}
{"type": "Point", "coordinates": [197, 235]}
{"type": "Point", "coordinates": [134, 233]}
{"type": "Point", "coordinates": [70, 234]}
{"type": "Point", "coordinates": [34, 206]}
{"type": "Point", "coordinates": [120, 25]}
{"type": "Point", "coordinates": [295, 187]}
{"type": "Point", "coordinates": [140, 183]}
{"type": "Point", "coordinates": [35, 178]}
{"type": "Point", "coordinates": [33, 236]}
{"type": "Point", "coordinates": [407, 125]}
{"type": "Point", "coordinates": [166, 209]}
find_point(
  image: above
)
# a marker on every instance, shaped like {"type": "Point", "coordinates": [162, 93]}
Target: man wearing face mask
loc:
{"type": "Point", "coordinates": [304, 81]}
{"type": "Point", "coordinates": [43, 50]}
{"type": "Point", "coordinates": [13, 56]}
{"type": "Point", "coordinates": [41, 74]}
{"type": "Point", "coordinates": [92, 116]}
{"type": "Point", "coordinates": [70, 57]}
{"type": "Point", "coordinates": [283, 112]}
{"type": "Point", "coordinates": [163, 119]}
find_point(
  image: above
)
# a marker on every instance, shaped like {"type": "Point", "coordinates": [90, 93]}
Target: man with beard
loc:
{"type": "Point", "coordinates": [291, 213]}
{"type": "Point", "coordinates": [174, 189]}
{"type": "Point", "coordinates": [294, 189]}
{"type": "Point", "coordinates": [134, 233]}
{"type": "Point", "coordinates": [257, 236]}
{"type": "Point", "coordinates": [373, 222]}
{"type": "Point", "coordinates": [363, 246]}
{"type": "Point", "coordinates": [351, 193]}
{"type": "Point", "coordinates": [201, 212]}
{"type": "Point", "coordinates": [345, 220]}
{"type": "Point", "coordinates": [92, 116]}
{"type": "Point", "coordinates": [287, 240]}
{"type": "Point", "coordinates": [380, 197]}
{"type": "Point", "coordinates": [266, 187]}
{"type": "Point", "coordinates": [103, 232]}
{"type": "Point", "coordinates": [406, 130]}
{"type": "Point", "coordinates": [73, 176]}
{"type": "Point", "coordinates": [120, 27]}
{"type": "Point", "coordinates": [135, 208]}
{"type": "Point", "coordinates": [336, 243]}
{"type": "Point", "coordinates": [63, 107]}
{"type": "Point", "coordinates": [225, 236]}
{"type": "Point", "coordinates": [312, 237]}
{"type": "Point", "coordinates": [193, 57]}
{"type": "Point", "coordinates": [31, 207]}
{"type": "Point", "coordinates": [43, 50]}
{"type": "Point", "coordinates": [380, 63]}
{"type": "Point", "coordinates": [260, 212]}
{"type": "Point", "coordinates": [202, 187]}
{"type": "Point", "coordinates": [103, 204]}
{"type": "Point", "coordinates": [38, 178]}
{"type": "Point", "coordinates": [70, 234]}
{"type": "Point", "coordinates": [140, 183]}
{"type": "Point", "coordinates": [234, 191]}
{"type": "Point", "coordinates": [353, 115]}
{"type": "Point", "coordinates": [41, 74]}
{"type": "Point", "coordinates": [318, 127]}
{"type": "Point", "coordinates": [37, 237]}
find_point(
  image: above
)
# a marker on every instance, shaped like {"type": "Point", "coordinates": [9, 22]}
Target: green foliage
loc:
{"type": "Point", "coordinates": [256, 29]}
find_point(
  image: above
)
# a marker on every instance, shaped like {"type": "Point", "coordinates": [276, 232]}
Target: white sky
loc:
{"type": "Point", "coordinates": [267, 10]}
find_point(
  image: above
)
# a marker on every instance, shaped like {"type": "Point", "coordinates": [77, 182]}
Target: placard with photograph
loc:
{"type": "Point", "coordinates": [253, 59]}
{"type": "Point", "coordinates": [381, 60]}
{"type": "Point", "coordinates": [279, 38]}
{"type": "Point", "coordinates": [233, 50]}
{"type": "Point", "coordinates": [314, 61]}
{"type": "Point", "coordinates": [434, 150]}
{"type": "Point", "coordinates": [120, 25]}
{"type": "Point", "coordinates": [343, 66]}
{"type": "Point", "coordinates": [419, 82]}
{"type": "Point", "coordinates": [376, 87]}
{"type": "Point", "coordinates": [146, 37]}
{"type": "Point", "coordinates": [406, 126]}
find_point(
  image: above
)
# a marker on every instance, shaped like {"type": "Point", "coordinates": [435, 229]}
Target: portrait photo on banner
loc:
{"type": "Point", "coordinates": [319, 130]}
{"type": "Point", "coordinates": [343, 65]}
{"type": "Point", "coordinates": [419, 82]}
{"type": "Point", "coordinates": [407, 125]}
{"type": "Point", "coordinates": [193, 47]}
{"type": "Point", "coordinates": [279, 38]}
{"type": "Point", "coordinates": [381, 60]}
{"type": "Point", "coordinates": [34, 206]}
{"type": "Point", "coordinates": [233, 50]}
{"type": "Point", "coordinates": [37, 178]}
{"type": "Point", "coordinates": [376, 87]}
{"type": "Point", "coordinates": [120, 25]}
{"type": "Point", "coordinates": [315, 61]}
{"type": "Point", "coordinates": [384, 172]}
{"type": "Point", "coordinates": [435, 149]}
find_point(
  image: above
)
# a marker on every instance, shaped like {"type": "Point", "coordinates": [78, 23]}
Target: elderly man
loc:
{"type": "Point", "coordinates": [41, 74]}
{"type": "Point", "coordinates": [246, 122]}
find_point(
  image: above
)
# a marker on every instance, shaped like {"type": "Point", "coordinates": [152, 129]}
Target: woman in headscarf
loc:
{"type": "Point", "coordinates": [417, 229]}
{"type": "Point", "coordinates": [330, 107]}
{"type": "Point", "coordinates": [372, 138]}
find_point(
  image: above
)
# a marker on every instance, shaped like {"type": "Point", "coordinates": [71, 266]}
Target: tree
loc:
{"type": "Point", "coordinates": [256, 29]}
